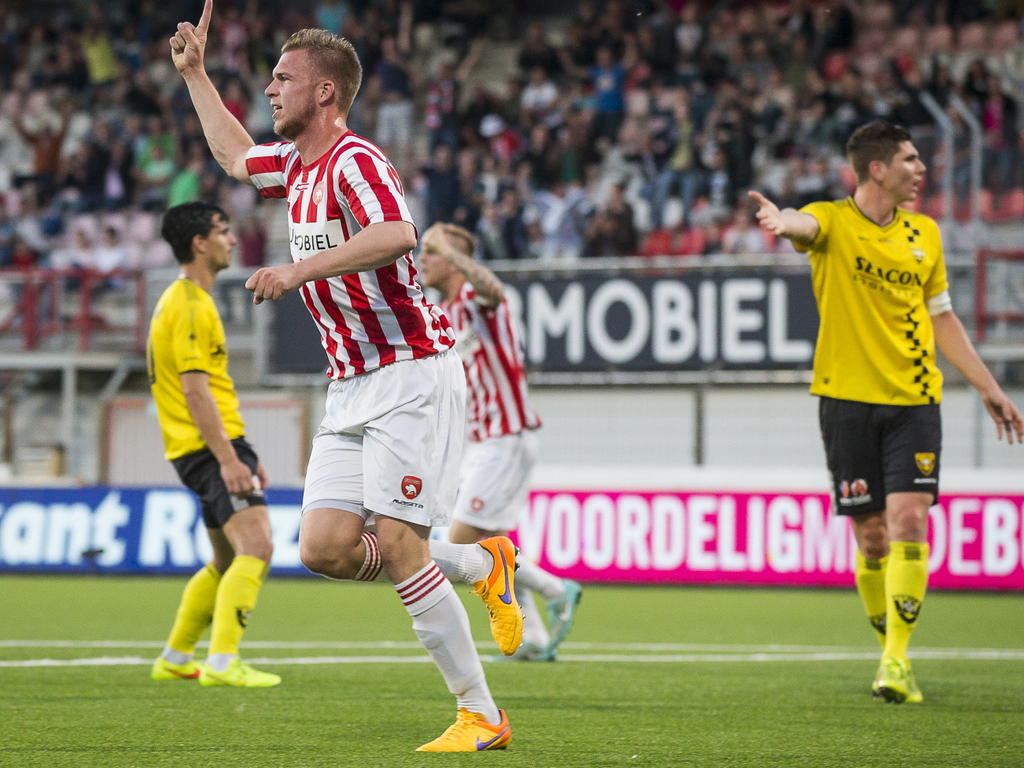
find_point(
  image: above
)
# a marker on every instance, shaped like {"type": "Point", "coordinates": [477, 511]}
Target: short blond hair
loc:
{"type": "Point", "coordinates": [333, 57]}
{"type": "Point", "coordinates": [463, 237]}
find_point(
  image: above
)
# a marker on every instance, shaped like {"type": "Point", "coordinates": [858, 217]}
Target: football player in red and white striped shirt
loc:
{"type": "Point", "coordinates": [502, 448]}
{"type": "Point", "coordinates": [388, 447]}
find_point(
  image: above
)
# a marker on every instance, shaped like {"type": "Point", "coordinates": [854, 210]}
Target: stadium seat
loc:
{"type": "Point", "coordinates": [657, 243]}
{"type": "Point", "coordinates": [692, 243]}
{"type": "Point", "coordinates": [1011, 205]}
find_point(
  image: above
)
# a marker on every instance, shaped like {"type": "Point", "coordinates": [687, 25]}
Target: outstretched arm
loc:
{"type": "Point", "coordinates": [228, 140]}
{"type": "Point", "coordinates": [801, 228]}
{"type": "Point", "coordinates": [952, 339]}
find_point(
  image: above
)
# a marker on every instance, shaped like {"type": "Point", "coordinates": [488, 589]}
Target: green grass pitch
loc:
{"type": "Point", "coordinates": [649, 677]}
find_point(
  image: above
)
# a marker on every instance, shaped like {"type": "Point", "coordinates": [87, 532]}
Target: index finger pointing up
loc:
{"type": "Point", "coordinates": [204, 20]}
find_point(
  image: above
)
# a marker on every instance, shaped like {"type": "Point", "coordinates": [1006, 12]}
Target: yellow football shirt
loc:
{"type": "Point", "coordinates": [185, 335]}
{"type": "Point", "coordinates": [876, 342]}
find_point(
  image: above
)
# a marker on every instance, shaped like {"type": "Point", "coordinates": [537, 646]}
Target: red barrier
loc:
{"type": "Point", "coordinates": [42, 295]}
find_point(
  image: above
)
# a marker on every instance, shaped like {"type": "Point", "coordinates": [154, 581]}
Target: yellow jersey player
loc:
{"type": "Point", "coordinates": [880, 283]}
{"type": "Point", "coordinates": [204, 438]}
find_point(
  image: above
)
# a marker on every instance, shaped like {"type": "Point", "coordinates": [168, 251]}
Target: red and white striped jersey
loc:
{"type": "Point", "coordinates": [488, 342]}
{"type": "Point", "coordinates": [368, 319]}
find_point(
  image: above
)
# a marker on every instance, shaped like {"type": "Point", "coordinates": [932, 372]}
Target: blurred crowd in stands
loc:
{"type": "Point", "coordinates": [553, 131]}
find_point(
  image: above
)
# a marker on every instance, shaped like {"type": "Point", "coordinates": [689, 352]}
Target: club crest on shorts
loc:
{"type": "Point", "coordinates": [411, 486]}
{"type": "Point", "coordinates": [477, 504]}
{"type": "Point", "coordinates": [925, 462]}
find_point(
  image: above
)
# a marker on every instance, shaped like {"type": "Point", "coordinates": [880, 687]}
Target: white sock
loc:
{"type": "Point", "coordinates": [440, 622]}
{"type": "Point", "coordinates": [466, 563]}
{"type": "Point", "coordinates": [219, 661]}
{"type": "Point", "coordinates": [534, 630]}
{"type": "Point", "coordinates": [532, 576]}
{"type": "Point", "coordinates": [175, 657]}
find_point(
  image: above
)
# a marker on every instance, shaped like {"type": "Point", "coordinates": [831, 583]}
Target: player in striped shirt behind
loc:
{"type": "Point", "coordinates": [388, 447]}
{"type": "Point", "coordinates": [502, 447]}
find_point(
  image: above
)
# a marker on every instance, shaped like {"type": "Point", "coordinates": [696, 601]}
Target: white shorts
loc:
{"type": "Point", "coordinates": [495, 481]}
{"type": "Point", "coordinates": [391, 440]}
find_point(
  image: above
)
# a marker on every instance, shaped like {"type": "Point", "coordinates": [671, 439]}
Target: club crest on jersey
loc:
{"type": "Point", "coordinates": [925, 462]}
{"type": "Point", "coordinates": [411, 486]}
{"type": "Point", "coordinates": [918, 254]}
{"type": "Point", "coordinates": [318, 195]}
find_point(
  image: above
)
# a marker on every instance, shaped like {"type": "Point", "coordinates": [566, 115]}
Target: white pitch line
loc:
{"type": "Point", "coordinates": [964, 654]}
{"type": "Point", "coordinates": [377, 645]}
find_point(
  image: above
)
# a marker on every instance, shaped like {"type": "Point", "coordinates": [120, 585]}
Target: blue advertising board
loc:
{"type": "Point", "coordinates": [98, 529]}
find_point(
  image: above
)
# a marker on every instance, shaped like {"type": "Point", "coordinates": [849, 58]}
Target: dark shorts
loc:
{"type": "Point", "coordinates": [200, 472]}
{"type": "Point", "coordinates": [874, 450]}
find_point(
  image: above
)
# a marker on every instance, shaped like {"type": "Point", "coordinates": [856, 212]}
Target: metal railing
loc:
{"type": "Point", "coordinates": [48, 309]}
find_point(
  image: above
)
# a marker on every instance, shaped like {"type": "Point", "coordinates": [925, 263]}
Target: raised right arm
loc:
{"type": "Point", "coordinates": [228, 140]}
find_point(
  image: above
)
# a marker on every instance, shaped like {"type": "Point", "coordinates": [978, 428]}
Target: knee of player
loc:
{"type": "Point", "coordinates": [260, 547]}
{"type": "Point", "coordinates": [337, 563]}
{"type": "Point", "coordinates": [316, 558]}
{"type": "Point", "coordinates": [874, 548]}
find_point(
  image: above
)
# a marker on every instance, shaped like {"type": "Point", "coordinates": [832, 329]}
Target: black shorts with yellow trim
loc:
{"type": "Point", "coordinates": [200, 472]}
{"type": "Point", "coordinates": [873, 450]}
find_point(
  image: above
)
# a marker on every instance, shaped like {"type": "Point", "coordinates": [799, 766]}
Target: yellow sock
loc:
{"type": "Point", "coordinates": [906, 579]}
{"type": "Point", "coordinates": [870, 578]}
{"type": "Point", "coordinates": [195, 609]}
{"type": "Point", "coordinates": [236, 597]}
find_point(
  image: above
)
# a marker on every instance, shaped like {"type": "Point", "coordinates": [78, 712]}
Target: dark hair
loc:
{"type": "Point", "coordinates": [183, 222]}
{"type": "Point", "coordinates": [877, 140]}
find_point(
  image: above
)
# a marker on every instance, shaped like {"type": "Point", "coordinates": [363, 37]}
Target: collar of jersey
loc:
{"type": "Point", "coordinates": [325, 155]}
{"type": "Point", "coordinates": [883, 227]}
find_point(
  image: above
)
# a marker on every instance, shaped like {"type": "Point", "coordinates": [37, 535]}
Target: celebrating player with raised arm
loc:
{"type": "Point", "coordinates": [880, 283]}
{"type": "Point", "coordinates": [502, 448]}
{"type": "Point", "coordinates": [388, 448]}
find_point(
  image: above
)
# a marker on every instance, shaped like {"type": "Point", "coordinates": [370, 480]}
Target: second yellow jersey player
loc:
{"type": "Point", "coordinates": [873, 284]}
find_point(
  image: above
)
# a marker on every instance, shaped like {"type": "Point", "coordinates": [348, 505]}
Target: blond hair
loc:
{"type": "Point", "coordinates": [468, 242]}
{"type": "Point", "coordinates": [334, 58]}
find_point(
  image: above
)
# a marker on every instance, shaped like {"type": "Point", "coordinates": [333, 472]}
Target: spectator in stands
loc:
{"type": "Point", "coordinates": [611, 232]}
{"type": "Point", "coordinates": [537, 52]}
{"type": "Point", "coordinates": [442, 186]}
{"type": "Point", "coordinates": [562, 214]}
{"type": "Point", "coordinates": [154, 178]}
{"type": "Point", "coordinates": [45, 137]}
{"type": "Point", "coordinates": [742, 235]}
{"type": "Point", "coordinates": [539, 99]}
{"type": "Point", "coordinates": [395, 111]}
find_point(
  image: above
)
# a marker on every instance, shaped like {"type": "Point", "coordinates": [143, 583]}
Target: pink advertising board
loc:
{"type": "Point", "coordinates": [726, 537]}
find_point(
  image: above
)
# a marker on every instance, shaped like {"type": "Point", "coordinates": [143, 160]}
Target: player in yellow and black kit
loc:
{"type": "Point", "coordinates": [880, 283]}
{"type": "Point", "coordinates": [204, 440]}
